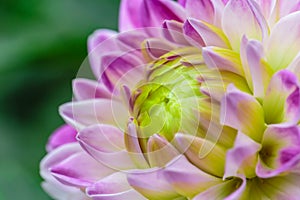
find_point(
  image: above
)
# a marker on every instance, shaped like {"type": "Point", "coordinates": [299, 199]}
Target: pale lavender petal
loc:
{"type": "Point", "coordinates": [63, 135]}
{"type": "Point", "coordinates": [98, 37]}
{"type": "Point", "coordinates": [173, 32]}
{"type": "Point", "coordinates": [280, 150]}
{"type": "Point", "coordinates": [192, 36]}
{"type": "Point", "coordinates": [242, 112]}
{"type": "Point", "coordinates": [241, 159]}
{"type": "Point", "coordinates": [129, 18]}
{"type": "Point", "coordinates": [160, 151]}
{"type": "Point", "coordinates": [246, 15]}
{"type": "Point", "coordinates": [105, 143]}
{"type": "Point", "coordinates": [98, 111]}
{"type": "Point", "coordinates": [152, 184]}
{"type": "Point", "coordinates": [187, 179]}
{"type": "Point", "coordinates": [211, 35]}
{"type": "Point", "coordinates": [201, 9]}
{"type": "Point", "coordinates": [223, 59]}
{"type": "Point", "coordinates": [257, 71]}
{"type": "Point", "coordinates": [227, 190]}
{"type": "Point", "coordinates": [282, 100]}
{"type": "Point", "coordinates": [157, 11]}
{"type": "Point", "coordinates": [84, 89]}
{"type": "Point", "coordinates": [113, 187]}
{"type": "Point", "coordinates": [286, 35]}
{"type": "Point", "coordinates": [154, 48]}
{"type": "Point", "coordinates": [79, 170]}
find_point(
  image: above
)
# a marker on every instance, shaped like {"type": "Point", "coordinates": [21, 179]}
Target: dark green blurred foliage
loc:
{"type": "Point", "coordinates": [42, 45]}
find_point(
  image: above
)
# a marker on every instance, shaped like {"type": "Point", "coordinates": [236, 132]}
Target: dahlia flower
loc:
{"type": "Point", "coordinates": [192, 99]}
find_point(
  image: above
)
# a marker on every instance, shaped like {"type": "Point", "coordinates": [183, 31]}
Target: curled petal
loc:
{"type": "Point", "coordinates": [242, 158]}
{"type": "Point", "coordinates": [246, 15]}
{"type": "Point", "coordinates": [204, 154]}
{"type": "Point", "coordinates": [160, 151]}
{"type": "Point", "coordinates": [154, 48]}
{"type": "Point", "coordinates": [223, 59]}
{"type": "Point", "coordinates": [280, 58]}
{"type": "Point", "coordinates": [280, 150]}
{"type": "Point", "coordinates": [104, 144]}
{"type": "Point", "coordinates": [79, 170]}
{"type": "Point", "coordinates": [242, 112]}
{"type": "Point", "coordinates": [282, 100]}
{"type": "Point", "coordinates": [191, 180]}
{"type": "Point", "coordinates": [227, 190]}
{"type": "Point", "coordinates": [113, 187]}
{"type": "Point", "coordinates": [156, 11]}
{"type": "Point", "coordinates": [85, 89]}
{"type": "Point", "coordinates": [97, 111]}
{"type": "Point", "coordinates": [152, 184]}
{"type": "Point", "coordinates": [63, 135]}
{"type": "Point", "coordinates": [211, 35]}
{"type": "Point", "coordinates": [173, 32]}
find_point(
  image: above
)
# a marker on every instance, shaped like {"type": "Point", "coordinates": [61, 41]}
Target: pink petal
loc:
{"type": "Point", "coordinates": [173, 32]}
{"type": "Point", "coordinates": [187, 179]}
{"type": "Point", "coordinates": [113, 187]}
{"type": "Point", "coordinates": [286, 35]}
{"type": "Point", "coordinates": [98, 111]}
{"type": "Point", "coordinates": [201, 9]}
{"type": "Point", "coordinates": [151, 184]}
{"type": "Point", "coordinates": [246, 15]}
{"type": "Point", "coordinates": [280, 150]}
{"type": "Point", "coordinates": [241, 159]}
{"type": "Point", "coordinates": [63, 135]}
{"type": "Point", "coordinates": [98, 37]}
{"type": "Point", "coordinates": [157, 11]}
{"type": "Point", "coordinates": [85, 89]}
{"type": "Point", "coordinates": [211, 35]}
{"type": "Point", "coordinates": [242, 112]}
{"type": "Point", "coordinates": [182, 2]}
{"type": "Point", "coordinates": [130, 15]}
{"type": "Point", "coordinates": [154, 48]}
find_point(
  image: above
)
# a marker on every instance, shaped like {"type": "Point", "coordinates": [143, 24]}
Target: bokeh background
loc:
{"type": "Point", "coordinates": [42, 45]}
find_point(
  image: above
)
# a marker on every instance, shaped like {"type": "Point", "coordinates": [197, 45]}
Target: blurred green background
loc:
{"type": "Point", "coordinates": [42, 45]}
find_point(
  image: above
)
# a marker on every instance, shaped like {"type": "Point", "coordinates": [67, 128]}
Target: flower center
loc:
{"type": "Point", "coordinates": [165, 101]}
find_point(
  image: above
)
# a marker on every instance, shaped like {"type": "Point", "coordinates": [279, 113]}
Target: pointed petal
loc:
{"type": "Point", "coordinates": [79, 170]}
{"type": "Point", "coordinates": [135, 145]}
{"type": "Point", "coordinates": [242, 112]}
{"type": "Point", "coordinates": [242, 158]}
{"type": "Point", "coordinates": [201, 9]}
{"type": "Point", "coordinates": [157, 11]}
{"type": "Point", "coordinates": [63, 135]}
{"type": "Point", "coordinates": [289, 42]}
{"type": "Point", "coordinates": [246, 15]}
{"type": "Point", "coordinates": [154, 48]}
{"type": "Point", "coordinates": [98, 111]}
{"type": "Point", "coordinates": [191, 180]}
{"type": "Point", "coordinates": [151, 184]}
{"type": "Point", "coordinates": [173, 32]}
{"type": "Point", "coordinates": [85, 89]}
{"type": "Point", "coordinates": [211, 35]}
{"type": "Point", "coordinates": [204, 154]}
{"type": "Point", "coordinates": [105, 143]}
{"type": "Point", "coordinates": [282, 100]}
{"type": "Point", "coordinates": [160, 151]}
{"type": "Point", "coordinates": [129, 18]}
{"type": "Point", "coordinates": [113, 187]}
{"type": "Point", "coordinates": [227, 190]}
{"type": "Point", "coordinates": [257, 71]}
{"type": "Point", "coordinates": [223, 59]}
{"type": "Point", "coordinates": [280, 150]}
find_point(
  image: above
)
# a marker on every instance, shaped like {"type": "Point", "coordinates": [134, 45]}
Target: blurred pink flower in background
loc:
{"type": "Point", "coordinates": [195, 99]}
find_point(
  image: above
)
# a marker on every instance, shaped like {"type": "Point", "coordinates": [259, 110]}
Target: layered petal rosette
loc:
{"type": "Point", "coordinates": [192, 99]}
